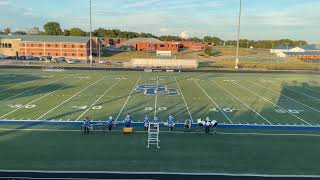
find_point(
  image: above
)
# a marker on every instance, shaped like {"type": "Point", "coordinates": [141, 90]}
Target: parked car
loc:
{"type": "Point", "coordinates": [73, 61]}
{"type": "Point", "coordinates": [42, 58]}
{"type": "Point", "coordinates": [3, 56]}
{"type": "Point", "coordinates": [12, 57]}
{"type": "Point", "coordinates": [30, 58]}
{"type": "Point", "coordinates": [22, 58]}
{"type": "Point", "coordinates": [108, 63]}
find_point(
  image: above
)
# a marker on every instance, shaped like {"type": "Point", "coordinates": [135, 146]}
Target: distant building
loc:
{"type": "Point", "coordinates": [164, 54]}
{"type": "Point", "coordinates": [296, 52]}
{"type": "Point", "coordinates": [55, 46]}
{"type": "Point", "coordinates": [153, 44]}
{"type": "Point", "coordinates": [280, 49]}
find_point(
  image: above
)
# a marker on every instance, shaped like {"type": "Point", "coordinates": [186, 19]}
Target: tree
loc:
{"type": "Point", "coordinates": [77, 32]}
{"type": "Point", "coordinates": [34, 31]}
{"type": "Point", "coordinates": [66, 32]}
{"type": "Point", "coordinates": [19, 33]}
{"type": "Point", "coordinates": [7, 31]}
{"type": "Point", "coordinates": [209, 51]}
{"type": "Point", "coordinates": [214, 40]}
{"type": "Point", "coordinates": [52, 28]}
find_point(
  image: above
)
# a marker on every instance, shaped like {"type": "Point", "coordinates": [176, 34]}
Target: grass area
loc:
{"type": "Point", "coordinates": [262, 99]}
{"type": "Point", "coordinates": [179, 153]}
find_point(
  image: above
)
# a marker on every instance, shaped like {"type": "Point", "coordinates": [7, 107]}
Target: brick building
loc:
{"type": "Point", "coordinates": [152, 44]}
{"type": "Point", "coordinates": [55, 46]}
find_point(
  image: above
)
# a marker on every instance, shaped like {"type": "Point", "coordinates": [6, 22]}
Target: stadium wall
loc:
{"type": "Point", "coordinates": [164, 63]}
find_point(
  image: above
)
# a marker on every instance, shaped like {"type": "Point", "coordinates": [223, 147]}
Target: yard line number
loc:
{"type": "Point", "coordinates": [292, 111]}
{"type": "Point", "coordinates": [151, 108]}
{"type": "Point", "coordinates": [85, 107]}
{"type": "Point", "coordinates": [227, 110]}
{"type": "Point", "coordinates": [16, 106]}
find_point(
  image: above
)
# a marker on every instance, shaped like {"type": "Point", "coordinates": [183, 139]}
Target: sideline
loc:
{"type": "Point", "coordinates": [169, 132]}
{"type": "Point", "coordinates": [144, 175]}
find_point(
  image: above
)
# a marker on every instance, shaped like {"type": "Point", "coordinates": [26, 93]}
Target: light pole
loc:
{"type": "Point", "coordinates": [90, 56]}
{"type": "Point", "coordinates": [238, 42]}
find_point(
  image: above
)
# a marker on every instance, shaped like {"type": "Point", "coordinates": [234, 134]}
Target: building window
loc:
{"type": "Point", "coordinates": [81, 46]}
{"type": "Point", "coordinates": [48, 45]}
{"type": "Point", "coordinates": [72, 45]}
{"type": "Point", "coordinates": [49, 54]}
{"type": "Point", "coordinates": [73, 54]}
{"type": "Point", "coordinates": [81, 54]}
{"type": "Point", "coordinates": [40, 54]}
{"type": "Point", "coordinates": [57, 54]}
{"type": "Point", "coordinates": [161, 45]}
{"type": "Point", "coordinates": [65, 46]}
{"type": "Point", "coordinates": [9, 45]}
{"type": "Point", "coordinates": [31, 45]}
{"type": "Point", "coordinates": [65, 54]}
{"type": "Point", "coordinates": [57, 45]}
{"type": "Point", "coordinates": [39, 45]}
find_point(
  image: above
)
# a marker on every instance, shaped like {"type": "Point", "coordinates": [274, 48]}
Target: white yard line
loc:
{"type": "Point", "coordinates": [184, 100]}
{"type": "Point", "coordinates": [156, 100]}
{"type": "Point", "coordinates": [286, 96]}
{"type": "Point", "coordinates": [317, 99]}
{"type": "Point", "coordinates": [37, 99]}
{"type": "Point", "coordinates": [224, 114]}
{"type": "Point", "coordinates": [242, 102]}
{"type": "Point", "coordinates": [134, 87]}
{"type": "Point", "coordinates": [273, 103]}
{"type": "Point", "coordinates": [32, 89]}
{"type": "Point", "coordinates": [69, 99]}
{"type": "Point", "coordinates": [93, 104]}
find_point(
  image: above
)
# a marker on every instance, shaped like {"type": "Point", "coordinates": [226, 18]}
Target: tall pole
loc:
{"type": "Point", "coordinates": [238, 42]}
{"type": "Point", "coordinates": [90, 56]}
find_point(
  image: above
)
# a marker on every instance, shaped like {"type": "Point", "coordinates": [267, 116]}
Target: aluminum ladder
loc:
{"type": "Point", "coordinates": [153, 134]}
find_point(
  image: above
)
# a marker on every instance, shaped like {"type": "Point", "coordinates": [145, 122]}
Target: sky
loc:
{"type": "Point", "coordinates": [261, 19]}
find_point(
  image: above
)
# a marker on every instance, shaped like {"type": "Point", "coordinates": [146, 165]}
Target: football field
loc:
{"type": "Point", "coordinates": [263, 99]}
{"type": "Point", "coordinates": [233, 99]}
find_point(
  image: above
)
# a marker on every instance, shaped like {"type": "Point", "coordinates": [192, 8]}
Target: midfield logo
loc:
{"type": "Point", "coordinates": [151, 90]}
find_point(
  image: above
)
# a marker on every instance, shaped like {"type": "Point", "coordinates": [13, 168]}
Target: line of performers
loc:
{"type": "Point", "coordinates": [207, 123]}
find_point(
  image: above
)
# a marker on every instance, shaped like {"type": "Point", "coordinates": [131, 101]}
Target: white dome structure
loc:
{"type": "Point", "coordinates": [184, 35]}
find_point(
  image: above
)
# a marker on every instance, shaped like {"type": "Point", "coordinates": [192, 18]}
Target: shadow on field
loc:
{"type": "Point", "coordinates": [18, 129]}
{"type": "Point", "coordinates": [286, 103]}
{"type": "Point", "coordinates": [7, 79]}
{"type": "Point", "coordinates": [42, 89]}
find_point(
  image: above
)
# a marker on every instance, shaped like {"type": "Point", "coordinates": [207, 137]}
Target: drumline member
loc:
{"type": "Point", "coordinates": [128, 120]}
{"type": "Point", "coordinates": [214, 124]}
{"type": "Point", "coordinates": [170, 122]}
{"type": "Point", "coordinates": [146, 122]}
{"type": "Point", "coordinates": [207, 124]}
{"type": "Point", "coordinates": [156, 121]}
{"type": "Point", "coordinates": [86, 125]}
{"type": "Point", "coordinates": [110, 123]}
{"type": "Point", "coordinates": [187, 124]}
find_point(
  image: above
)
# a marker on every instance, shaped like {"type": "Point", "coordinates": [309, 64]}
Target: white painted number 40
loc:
{"type": "Point", "coordinates": [28, 106]}
{"type": "Point", "coordinates": [227, 110]}
{"type": "Point", "coordinates": [291, 111]}
{"type": "Point", "coordinates": [85, 107]}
